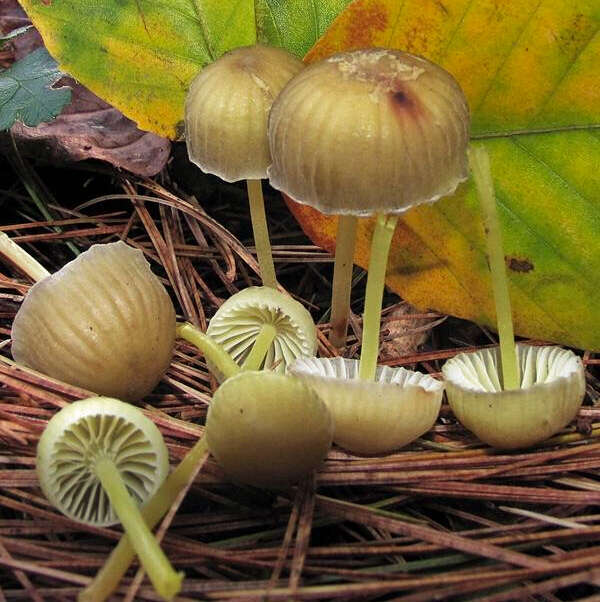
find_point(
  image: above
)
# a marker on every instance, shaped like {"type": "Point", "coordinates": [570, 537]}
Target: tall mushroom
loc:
{"type": "Point", "coordinates": [226, 112]}
{"type": "Point", "coordinates": [370, 132]}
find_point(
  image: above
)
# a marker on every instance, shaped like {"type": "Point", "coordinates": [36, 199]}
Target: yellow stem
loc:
{"type": "Point", "coordinates": [261, 233]}
{"type": "Point", "coordinates": [480, 166]}
{"type": "Point", "coordinates": [380, 248]}
{"type": "Point", "coordinates": [23, 260]}
{"type": "Point", "coordinates": [342, 279]}
{"type": "Point", "coordinates": [261, 347]}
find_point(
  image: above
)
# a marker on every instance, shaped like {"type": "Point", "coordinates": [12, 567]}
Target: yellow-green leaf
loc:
{"type": "Point", "coordinates": [530, 71]}
{"type": "Point", "coordinates": [140, 55]}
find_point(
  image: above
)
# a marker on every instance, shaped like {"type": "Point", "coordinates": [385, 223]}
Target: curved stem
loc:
{"type": "Point", "coordinates": [261, 233]}
{"type": "Point", "coordinates": [261, 347]}
{"type": "Point", "coordinates": [108, 577]}
{"type": "Point", "coordinates": [380, 248]}
{"type": "Point", "coordinates": [480, 166]}
{"type": "Point", "coordinates": [23, 260]}
{"type": "Point", "coordinates": [211, 350]}
{"type": "Point", "coordinates": [342, 279]}
{"type": "Point", "coordinates": [165, 580]}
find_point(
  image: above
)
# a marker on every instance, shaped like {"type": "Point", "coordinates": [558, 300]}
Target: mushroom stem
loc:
{"type": "Point", "coordinates": [108, 577]}
{"type": "Point", "coordinates": [261, 347]}
{"type": "Point", "coordinates": [380, 248]}
{"type": "Point", "coordinates": [165, 580]}
{"type": "Point", "coordinates": [342, 279]}
{"type": "Point", "coordinates": [209, 348]}
{"type": "Point", "coordinates": [261, 233]}
{"type": "Point", "coordinates": [23, 260]}
{"type": "Point", "coordinates": [480, 166]}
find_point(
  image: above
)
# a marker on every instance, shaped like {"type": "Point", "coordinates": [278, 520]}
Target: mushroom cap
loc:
{"type": "Point", "coordinates": [369, 131]}
{"type": "Point", "coordinates": [372, 417]}
{"type": "Point", "coordinates": [89, 430]}
{"type": "Point", "coordinates": [551, 393]}
{"type": "Point", "coordinates": [237, 323]}
{"type": "Point", "coordinates": [267, 429]}
{"type": "Point", "coordinates": [103, 322]}
{"type": "Point", "coordinates": [227, 107]}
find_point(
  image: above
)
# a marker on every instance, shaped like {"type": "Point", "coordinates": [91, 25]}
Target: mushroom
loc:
{"type": "Point", "coordinates": [373, 417]}
{"type": "Point", "coordinates": [378, 131]}
{"type": "Point", "coordinates": [373, 131]}
{"type": "Point", "coordinates": [226, 113]}
{"type": "Point", "coordinates": [510, 396]}
{"type": "Point", "coordinates": [549, 395]}
{"type": "Point", "coordinates": [264, 428]}
{"type": "Point", "coordinates": [103, 322]}
{"type": "Point", "coordinates": [97, 461]}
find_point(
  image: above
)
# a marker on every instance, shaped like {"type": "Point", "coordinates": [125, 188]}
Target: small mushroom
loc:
{"type": "Point", "coordinates": [373, 131]}
{"type": "Point", "coordinates": [263, 328]}
{"type": "Point", "coordinates": [103, 322]}
{"type": "Point", "coordinates": [226, 113]}
{"type": "Point", "coordinates": [373, 417]}
{"type": "Point", "coordinates": [97, 461]}
{"type": "Point", "coordinates": [267, 429]}
{"type": "Point", "coordinates": [257, 328]}
{"type": "Point", "coordinates": [550, 393]}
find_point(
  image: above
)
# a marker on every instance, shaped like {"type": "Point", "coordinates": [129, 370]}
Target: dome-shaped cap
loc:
{"type": "Point", "coordinates": [369, 131]}
{"type": "Point", "coordinates": [227, 108]}
{"type": "Point", "coordinates": [103, 322]}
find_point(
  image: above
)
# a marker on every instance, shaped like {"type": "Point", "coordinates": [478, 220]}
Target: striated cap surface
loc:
{"type": "Point", "coordinates": [227, 108]}
{"type": "Point", "coordinates": [369, 131]}
{"type": "Point", "coordinates": [103, 322]}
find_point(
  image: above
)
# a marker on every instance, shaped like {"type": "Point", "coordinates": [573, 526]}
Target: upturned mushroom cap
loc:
{"type": "Point", "coordinates": [372, 417]}
{"type": "Point", "coordinates": [369, 131]}
{"type": "Point", "coordinates": [267, 429]}
{"type": "Point", "coordinates": [237, 323]}
{"type": "Point", "coordinates": [86, 431]}
{"type": "Point", "coordinates": [551, 393]}
{"type": "Point", "coordinates": [103, 322]}
{"type": "Point", "coordinates": [227, 107]}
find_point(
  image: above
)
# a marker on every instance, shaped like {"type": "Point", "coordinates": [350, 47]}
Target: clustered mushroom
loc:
{"type": "Point", "coordinates": [372, 132]}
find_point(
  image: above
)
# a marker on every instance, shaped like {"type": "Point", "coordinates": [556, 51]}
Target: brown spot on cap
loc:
{"type": "Point", "coordinates": [518, 265]}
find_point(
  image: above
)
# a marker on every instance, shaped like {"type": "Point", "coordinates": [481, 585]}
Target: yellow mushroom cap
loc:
{"type": "Point", "coordinates": [103, 322]}
{"type": "Point", "coordinates": [369, 131]}
{"type": "Point", "coordinates": [372, 417]}
{"type": "Point", "coordinates": [267, 429]}
{"type": "Point", "coordinates": [227, 108]}
{"type": "Point", "coordinates": [551, 392]}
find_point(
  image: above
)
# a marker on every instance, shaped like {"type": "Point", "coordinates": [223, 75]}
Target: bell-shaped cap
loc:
{"type": "Point", "coordinates": [372, 417]}
{"type": "Point", "coordinates": [267, 429]}
{"type": "Point", "coordinates": [103, 322]}
{"type": "Point", "coordinates": [369, 131]}
{"type": "Point", "coordinates": [551, 393]}
{"type": "Point", "coordinates": [227, 108]}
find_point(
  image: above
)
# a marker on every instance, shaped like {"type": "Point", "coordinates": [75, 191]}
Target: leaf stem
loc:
{"type": "Point", "coordinates": [480, 166]}
{"type": "Point", "coordinates": [23, 260]}
{"type": "Point", "coordinates": [261, 233]}
{"type": "Point", "coordinates": [165, 580]}
{"type": "Point", "coordinates": [108, 577]}
{"type": "Point", "coordinates": [261, 347]}
{"type": "Point", "coordinates": [380, 248]}
{"type": "Point", "coordinates": [342, 279]}
{"type": "Point", "coordinates": [212, 351]}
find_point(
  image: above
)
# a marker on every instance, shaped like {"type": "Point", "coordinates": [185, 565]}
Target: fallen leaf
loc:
{"type": "Point", "coordinates": [88, 127]}
{"type": "Point", "coordinates": [529, 69]}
